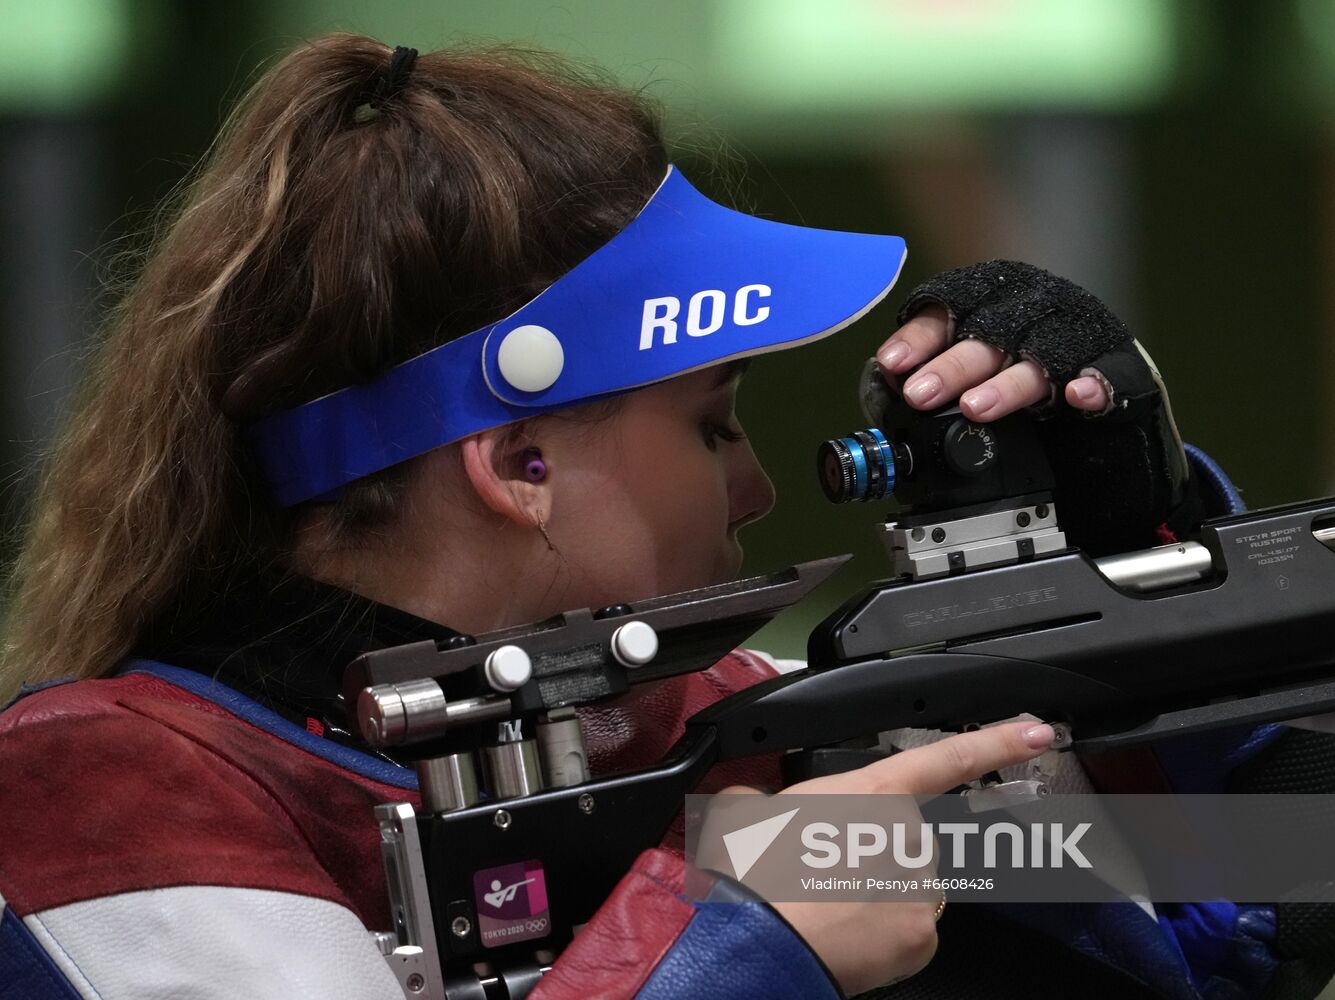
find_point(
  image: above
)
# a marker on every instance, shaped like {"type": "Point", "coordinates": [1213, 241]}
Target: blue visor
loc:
{"type": "Point", "coordinates": [686, 285]}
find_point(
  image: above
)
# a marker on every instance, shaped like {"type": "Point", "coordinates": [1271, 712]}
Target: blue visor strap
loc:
{"type": "Point", "coordinates": [686, 285]}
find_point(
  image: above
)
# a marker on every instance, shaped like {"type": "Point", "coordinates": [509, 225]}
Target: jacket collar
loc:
{"type": "Point", "coordinates": [284, 641]}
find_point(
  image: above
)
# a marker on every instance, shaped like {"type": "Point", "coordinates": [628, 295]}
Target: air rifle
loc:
{"type": "Point", "coordinates": [988, 614]}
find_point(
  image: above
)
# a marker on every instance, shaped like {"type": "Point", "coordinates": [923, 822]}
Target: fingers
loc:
{"type": "Point", "coordinates": [1014, 388]}
{"type": "Point", "coordinates": [922, 337]}
{"type": "Point", "coordinates": [997, 391]}
{"type": "Point", "coordinates": [947, 375]}
{"type": "Point", "coordinates": [974, 369]}
{"type": "Point", "coordinates": [741, 790]}
{"type": "Point", "coordinates": [1087, 393]}
{"type": "Point", "coordinates": [956, 760]}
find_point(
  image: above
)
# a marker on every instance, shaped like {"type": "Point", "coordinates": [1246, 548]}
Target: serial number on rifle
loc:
{"type": "Point", "coordinates": [983, 606]}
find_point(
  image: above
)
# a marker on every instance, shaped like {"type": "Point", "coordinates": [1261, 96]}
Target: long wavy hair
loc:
{"type": "Point", "coordinates": [330, 233]}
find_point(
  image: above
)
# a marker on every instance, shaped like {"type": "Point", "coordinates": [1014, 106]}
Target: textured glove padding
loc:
{"type": "Point", "coordinates": [1025, 311]}
{"type": "Point", "coordinates": [1120, 474]}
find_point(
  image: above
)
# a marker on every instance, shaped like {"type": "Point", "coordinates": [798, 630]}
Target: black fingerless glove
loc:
{"type": "Point", "coordinates": [1119, 474]}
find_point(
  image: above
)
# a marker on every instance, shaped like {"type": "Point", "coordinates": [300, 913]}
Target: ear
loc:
{"type": "Point", "coordinates": [493, 463]}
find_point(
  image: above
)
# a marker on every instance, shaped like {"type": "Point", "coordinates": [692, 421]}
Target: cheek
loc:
{"type": "Point", "coordinates": [606, 532]}
{"type": "Point", "coordinates": [652, 522]}
{"type": "Point", "coordinates": [687, 502]}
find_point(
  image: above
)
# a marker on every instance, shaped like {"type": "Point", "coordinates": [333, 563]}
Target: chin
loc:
{"type": "Point", "coordinates": [732, 565]}
{"type": "Point", "coordinates": [727, 567]}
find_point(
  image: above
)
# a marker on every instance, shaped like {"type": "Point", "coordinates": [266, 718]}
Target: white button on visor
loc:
{"type": "Point", "coordinates": [530, 358]}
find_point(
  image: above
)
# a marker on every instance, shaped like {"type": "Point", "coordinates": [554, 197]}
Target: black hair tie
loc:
{"type": "Point", "coordinates": [388, 83]}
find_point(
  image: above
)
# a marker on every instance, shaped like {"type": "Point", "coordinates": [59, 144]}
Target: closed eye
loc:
{"type": "Point", "coordinates": [716, 432]}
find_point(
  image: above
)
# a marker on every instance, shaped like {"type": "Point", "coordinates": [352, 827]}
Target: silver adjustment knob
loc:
{"type": "Point", "coordinates": [512, 769]}
{"type": "Point", "coordinates": [448, 782]}
{"type": "Point", "coordinates": [565, 761]}
{"type": "Point", "coordinates": [390, 714]}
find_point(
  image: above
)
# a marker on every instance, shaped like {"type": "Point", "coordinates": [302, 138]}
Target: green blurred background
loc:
{"type": "Point", "coordinates": [1174, 157]}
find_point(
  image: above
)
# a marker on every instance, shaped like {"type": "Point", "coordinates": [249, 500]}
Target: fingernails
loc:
{"type": "Point", "coordinates": [892, 356]}
{"type": "Point", "coordinates": [979, 401]}
{"type": "Point", "coordinates": [1085, 389]}
{"type": "Point", "coordinates": [1038, 737]}
{"type": "Point", "coordinates": [922, 389]}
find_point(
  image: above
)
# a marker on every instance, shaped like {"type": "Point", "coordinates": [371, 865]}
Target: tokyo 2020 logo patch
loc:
{"type": "Point", "coordinates": [511, 903]}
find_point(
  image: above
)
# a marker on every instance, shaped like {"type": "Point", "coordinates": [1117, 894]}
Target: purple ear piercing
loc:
{"type": "Point", "coordinates": [535, 469]}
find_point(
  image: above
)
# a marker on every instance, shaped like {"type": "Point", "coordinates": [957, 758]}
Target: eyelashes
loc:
{"type": "Point", "coordinates": [715, 432]}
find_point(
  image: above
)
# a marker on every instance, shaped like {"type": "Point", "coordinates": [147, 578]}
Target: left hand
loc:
{"type": "Point", "coordinates": [1002, 336]}
{"type": "Point", "coordinates": [981, 376]}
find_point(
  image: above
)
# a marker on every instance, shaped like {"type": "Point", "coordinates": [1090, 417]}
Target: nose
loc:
{"type": "Point", "coordinates": [750, 492]}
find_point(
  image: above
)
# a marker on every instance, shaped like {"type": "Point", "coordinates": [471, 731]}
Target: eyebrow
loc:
{"type": "Point", "coordinates": [730, 371]}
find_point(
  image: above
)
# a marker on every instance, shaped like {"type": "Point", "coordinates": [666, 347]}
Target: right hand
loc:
{"type": "Point", "coordinates": [866, 944]}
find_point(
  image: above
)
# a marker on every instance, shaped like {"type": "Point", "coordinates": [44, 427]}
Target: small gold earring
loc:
{"type": "Point", "coordinates": [542, 526]}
